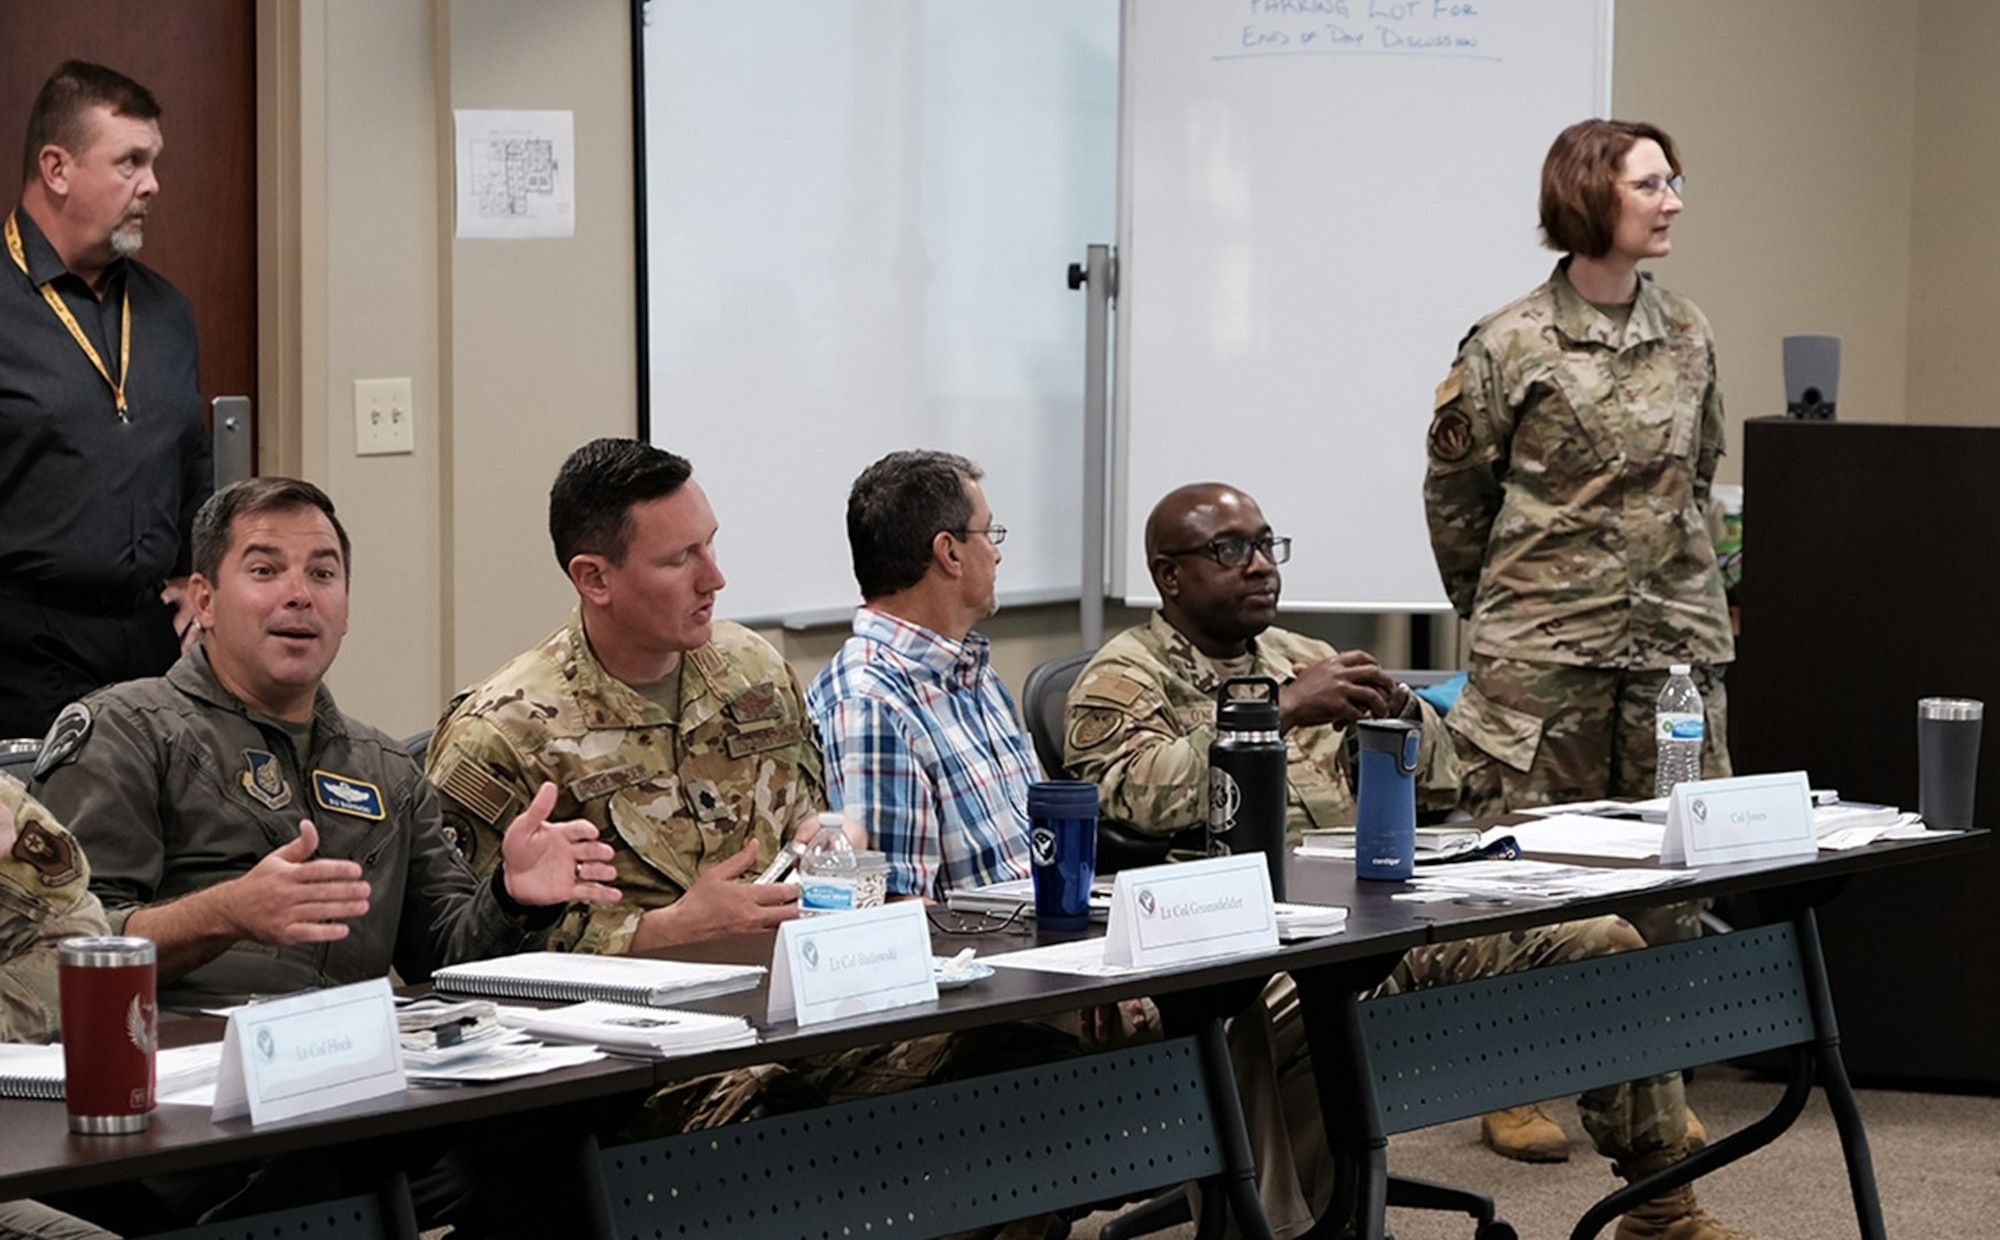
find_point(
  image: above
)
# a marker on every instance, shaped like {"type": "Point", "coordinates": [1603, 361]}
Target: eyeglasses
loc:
{"type": "Point", "coordinates": [1653, 187]}
{"type": "Point", "coordinates": [1019, 921]}
{"type": "Point", "coordinates": [1236, 552]}
{"type": "Point", "coordinates": [995, 534]}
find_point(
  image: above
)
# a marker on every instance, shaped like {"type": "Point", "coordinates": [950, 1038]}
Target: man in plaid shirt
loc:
{"type": "Point", "coordinates": [923, 743]}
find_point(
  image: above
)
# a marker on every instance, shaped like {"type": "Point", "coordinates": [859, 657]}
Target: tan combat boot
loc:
{"type": "Point", "coordinates": [1697, 1132]}
{"type": "Point", "coordinates": [1524, 1134]}
{"type": "Point", "coordinates": [1672, 1216]}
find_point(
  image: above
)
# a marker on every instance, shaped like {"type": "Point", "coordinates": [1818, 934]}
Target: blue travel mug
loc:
{"type": "Point", "coordinates": [1385, 829]}
{"type": "Point", "coordinates": [1062, 838]}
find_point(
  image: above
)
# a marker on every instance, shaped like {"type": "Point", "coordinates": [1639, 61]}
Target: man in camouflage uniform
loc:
{"type": "Point", "coordinates": [45, 890]}
{"type": "Point", "coordinates": [682, 737]}
{"type": "Point", "coordinates": [1139, 721]}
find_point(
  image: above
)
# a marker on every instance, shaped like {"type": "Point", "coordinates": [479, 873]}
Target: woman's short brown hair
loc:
{"type": "Point", "coordinates": [1580, 182]}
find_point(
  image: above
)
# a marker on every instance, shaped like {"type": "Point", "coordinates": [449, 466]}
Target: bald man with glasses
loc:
{"type": "Point", "coordinates": [1138, 724]}
{"type": "Point", "coordinates": [1142, 713]}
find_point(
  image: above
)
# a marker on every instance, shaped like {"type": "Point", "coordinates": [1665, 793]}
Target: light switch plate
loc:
{"type": "Point", "coordinates": [384, 417]}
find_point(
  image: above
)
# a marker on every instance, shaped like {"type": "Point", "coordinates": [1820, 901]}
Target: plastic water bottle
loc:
{"type": "Point", "coordinates": [829, 870]}
{"type": "Point", "coordinates": [1677, 728]}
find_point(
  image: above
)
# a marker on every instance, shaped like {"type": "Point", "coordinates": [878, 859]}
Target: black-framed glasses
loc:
{"type": "Point", "coordinates": [995, 534]}
{"type": "Point", "coordinates": [946, 921]}
{"type": "Point", "coordinates": [1236, 552]}
{"type": "Point", "coordinates": [1654, 186]}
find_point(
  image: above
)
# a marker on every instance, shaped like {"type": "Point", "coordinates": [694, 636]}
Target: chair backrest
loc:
{"type": "Point", "coordinates": [17, 757]}
{"type": "Point", "coordinates": [418, 746]}
{"type": "Point", "coordinates": [1042, 700]}
{"type": "Point", "coordinates": [384, 1215]}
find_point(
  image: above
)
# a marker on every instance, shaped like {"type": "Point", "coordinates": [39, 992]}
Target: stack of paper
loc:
{"type": "Point", "coordinates": [627, 1027]}
{"type": "Point", "coordinates": [1433, 843]}
{"type": "Point", "coordinates": [1309, 921]}
{"type": "Point", "coordinates": [1535, 880]}
{"type": "Point", "coordinates": [565, 976]}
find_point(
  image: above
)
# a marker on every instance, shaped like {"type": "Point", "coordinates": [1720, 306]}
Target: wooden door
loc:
{"type": "Point", "coordinates": [198, 57]}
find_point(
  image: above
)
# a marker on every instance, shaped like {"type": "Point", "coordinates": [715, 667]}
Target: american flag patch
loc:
{"type": "Point", "coordinates": [476, 788]}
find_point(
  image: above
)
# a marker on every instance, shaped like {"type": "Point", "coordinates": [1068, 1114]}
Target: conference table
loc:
{"type": "Point", "coordinates": [1355, 1071]}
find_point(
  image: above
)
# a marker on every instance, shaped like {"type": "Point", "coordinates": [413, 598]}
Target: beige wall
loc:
{"type": "Point", "coordinates": [1833, 151]}
{"type": "Point", "coordinates": [1955, 253]}
{"type": "Point", "coordinates": [1794, 119]}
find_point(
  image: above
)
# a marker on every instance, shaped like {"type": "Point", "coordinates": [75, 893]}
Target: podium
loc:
{"type": "Point", "coordinates": [1871, 570]}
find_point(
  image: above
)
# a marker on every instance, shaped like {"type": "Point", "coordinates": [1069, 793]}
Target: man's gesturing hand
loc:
{"type": "Point", "coordinates": [555, 862]}
{"type": "Point", "coordinates": [291, 897]}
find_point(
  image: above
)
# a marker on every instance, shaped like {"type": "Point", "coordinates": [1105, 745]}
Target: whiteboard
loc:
{"type": "Point", "coordinates": [858, 215]}
{"type": "Point", "coordinates": [1317, 199]}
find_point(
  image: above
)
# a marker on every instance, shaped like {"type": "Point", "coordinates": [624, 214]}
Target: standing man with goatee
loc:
{"type": "Point", "coordinates": [103, 454]}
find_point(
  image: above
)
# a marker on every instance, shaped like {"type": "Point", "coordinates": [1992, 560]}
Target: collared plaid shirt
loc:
{"type": "Point", "coordinates": [924, 742]}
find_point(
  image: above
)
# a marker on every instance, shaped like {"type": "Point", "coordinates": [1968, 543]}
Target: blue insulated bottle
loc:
{"type": "Point", "coordinates": [1385, 829]}
{"type": "Point", "coordinates": [1247, 776]}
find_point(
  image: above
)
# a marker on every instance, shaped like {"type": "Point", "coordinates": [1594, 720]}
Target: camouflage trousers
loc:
{"type": "Point", "coordinates": [1531, 733]}
{"type": "Point", "coordinates": [1274, 1073]}
{"type": "Point", "coordinates": [860, 1072]}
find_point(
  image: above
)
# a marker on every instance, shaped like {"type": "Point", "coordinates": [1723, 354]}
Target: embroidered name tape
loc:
{"type": "Point", "coordinates": [346, 795]}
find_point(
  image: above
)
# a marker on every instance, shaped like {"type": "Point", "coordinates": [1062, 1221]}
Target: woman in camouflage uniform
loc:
{"type": "Point", "coordinates": [1571, 453]}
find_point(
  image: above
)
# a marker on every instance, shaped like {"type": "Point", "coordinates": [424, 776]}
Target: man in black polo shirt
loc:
{"type": "Point", "coordinates": [103, 454]}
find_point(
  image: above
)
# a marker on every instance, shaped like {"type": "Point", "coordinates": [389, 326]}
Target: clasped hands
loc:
{"type": "Point", "coordinates": [1343, 690]}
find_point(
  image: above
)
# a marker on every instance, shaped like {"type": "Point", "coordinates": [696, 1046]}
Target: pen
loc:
{"type": "Point", "coordinates": [782, 864]}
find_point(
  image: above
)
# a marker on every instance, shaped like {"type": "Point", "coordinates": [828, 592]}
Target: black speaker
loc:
{"type": "Point", "coordinates": [1812, 377]}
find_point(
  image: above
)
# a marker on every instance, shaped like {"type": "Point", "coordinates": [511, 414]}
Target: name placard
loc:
{"type": "Point", "coordinates": [1749, 818]}
{"type": "Point", "coordinates": [1196, 910]}
{"type": "Point", "coordinates": [295, 1056]}
{"type": "Point", "coordinates": [847, 964]}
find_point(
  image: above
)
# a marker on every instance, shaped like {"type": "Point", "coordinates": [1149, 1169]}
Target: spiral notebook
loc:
{"type": "Point", "coordinates": [568, 977]}
{"type": "Point", "coordinates": [37, 1071]}
{"type": "Point", "coordinates": [31, 1072]}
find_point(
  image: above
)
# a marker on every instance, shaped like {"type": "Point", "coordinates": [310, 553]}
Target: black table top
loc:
{"type": "Point", "coordinates": [38, 1155]}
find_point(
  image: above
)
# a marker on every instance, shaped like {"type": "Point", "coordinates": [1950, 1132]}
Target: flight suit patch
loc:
{"type": "Point", "coordinates": [1447, 391]}
{"type": "Point", "coordinates": [1451, 436]}
{"type": "Point", "coordinates": [755, 703]}
{"type": "Point", "coordinates": [742, 744]}
{"type": "Point", "coordinates": [477, 789]}
{"type": "Point", "coordinates": [66, 735]}
{"type": "Point", "coordinates": [604, 783]}
{"type": "Point", "coordinates": [51, 856]}
{"type": "Point", "coordinates": [707, 801]}
{"type": "Point", "coordinates": [344, 794]}
{"type": "Point", "coordinates": [1093, 725]}
{"type": "Point", "coordinates": [264, 779]}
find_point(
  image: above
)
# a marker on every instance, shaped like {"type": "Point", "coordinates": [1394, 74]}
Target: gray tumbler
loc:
{"type": "Point", "coordinates": [1947, 760]}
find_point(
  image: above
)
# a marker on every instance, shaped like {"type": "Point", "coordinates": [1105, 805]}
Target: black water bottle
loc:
{"type": "Point", "coordinates": [1246, 775]}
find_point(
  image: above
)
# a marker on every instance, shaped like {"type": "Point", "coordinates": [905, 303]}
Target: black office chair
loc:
{"type": "Point", "coordinates": [382, 1215]}
{"type": "Point", "coordinates": [17, 757]}
{"type": "Point", "coordinates": [1119, 845]}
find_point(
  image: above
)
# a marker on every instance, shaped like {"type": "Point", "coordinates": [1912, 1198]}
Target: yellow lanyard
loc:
{"type": "Point", "coordinates": [56, 303]}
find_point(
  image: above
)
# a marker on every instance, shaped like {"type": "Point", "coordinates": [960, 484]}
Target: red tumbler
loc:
{"type": "Point", "coordinates": [110, 1021]}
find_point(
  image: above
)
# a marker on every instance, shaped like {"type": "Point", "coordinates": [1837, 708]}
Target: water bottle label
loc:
{"type": "Point", "coordinates": [825, 895]}
{"type": "Point", "coordinates": [1224, 799]}
{"type": "Point", "coordinates": [1680, 727]}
